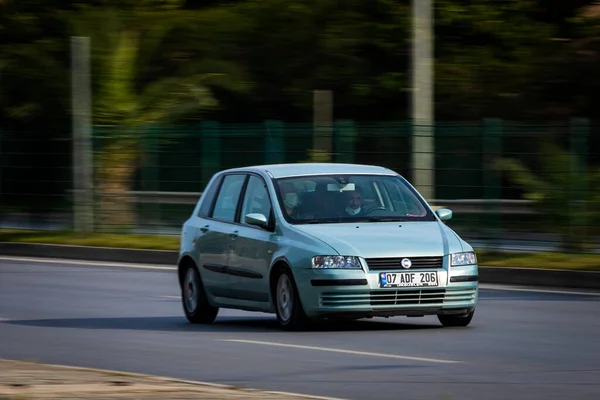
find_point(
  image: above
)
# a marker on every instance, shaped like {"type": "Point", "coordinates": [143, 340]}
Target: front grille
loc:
{"type": "Point", "coordinates": [404, 297]}
{"type": "Point", "coordinates": [382, 298]}
{"type": "Point", "coordinates": [459, 295]}
{"type": "Point", "coordinates": [408, 297]}
{"type": "Point", "coordinates": [389, 264]}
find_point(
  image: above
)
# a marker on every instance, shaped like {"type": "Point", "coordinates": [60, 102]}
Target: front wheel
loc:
{"type": "Point", "coordinates": [195, 303]}
{"type": "Point", "coordinates": [289, 310]}
{"type": "Point", "coordinates": [456, 320]}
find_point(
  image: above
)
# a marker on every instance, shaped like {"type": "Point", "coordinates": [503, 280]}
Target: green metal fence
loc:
{"type": "Point", "coordinates": [35, 171]}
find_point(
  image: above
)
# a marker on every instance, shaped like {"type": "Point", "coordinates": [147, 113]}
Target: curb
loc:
{"type": "Point", "coordinates": [165, 379]}
{"type": "Point", "coordinates": [499, 275]}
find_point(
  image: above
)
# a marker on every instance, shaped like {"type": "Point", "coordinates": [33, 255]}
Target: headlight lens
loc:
{"type": "Point", "coordinates": [467, 258]}
{"type": "Point", "coordinates": [345, 262]}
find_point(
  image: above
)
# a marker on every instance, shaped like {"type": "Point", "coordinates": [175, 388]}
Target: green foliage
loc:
{"type": "Point", "coordinates": [561, 190]}
{"type": "Point", "coordinates": [121, 97]}
{"type": "Point", "coordinates": [181, 61]}
{"type": "Point", "coordinates": [123, 44]}
{"type": "Point", "coordinates": [487, 57]}
{"type": "Point", "coordinates": [509, 59]}
{"type": "Point", "coordinates": [33, 71]}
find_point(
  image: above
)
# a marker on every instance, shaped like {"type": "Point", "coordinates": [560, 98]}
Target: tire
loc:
{"type": "Point", "coordinates": [193, 298]}
{"type": "Point", "coordinates": [288, 307]}
{"type": "Point", "coordinates": [456, 320]}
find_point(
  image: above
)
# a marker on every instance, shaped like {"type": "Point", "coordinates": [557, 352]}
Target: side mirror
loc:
{"type": "Point", "coordinates": [256, 219]}
{"type": "Point", "coordinates": [444, 214]}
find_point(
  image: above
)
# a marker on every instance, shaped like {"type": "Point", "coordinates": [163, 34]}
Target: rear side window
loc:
{"type": "Point", "coordinates": [228, 197]}
{"type": "Point", "coordinates": [209, 195]}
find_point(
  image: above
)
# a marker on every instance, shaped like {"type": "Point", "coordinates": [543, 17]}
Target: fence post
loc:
{"type": "Point", "coordinates": [83, 185]}
{"type": "Point", "coordinates": [423, 115]}
{"type": "Point", "coordinates": [1, 167]}
{"type": "Point", "coordinates": [211, 150]}
{"type": "Point", "coordinates": [344, 137]}
{"type": "Point", "coordinates": [150, 175]}
{"type": "Point", "coordinates": [150, 171]}
{"type": "Point", "coordinates": [578, 182]}
{"type": "Point", "coordinates": [492, 192]}
{"type": "Point", "coordinates": [274, 142]}
{"type": "Point", "coordinates": [322, 121]}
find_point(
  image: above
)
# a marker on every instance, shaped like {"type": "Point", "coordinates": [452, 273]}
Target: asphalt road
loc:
{"type": "Point", "coordinates": [521, 344]}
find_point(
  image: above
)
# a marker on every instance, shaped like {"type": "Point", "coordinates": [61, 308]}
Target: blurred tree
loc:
{"type": "Point", "coordinates": [562, 195]}
{"type": "Point", "coordinates": [34, 106]}
{"type": "Point", "coordinates": [487, 58]}
{"type": "Point", "coordinates": [127, 104]}
{"type": "Point", "coordinates": [288, 48]}
{"type": "Point", "coordinates": [492, 58]}
{"type": "Point", "coordinates": [568, 77]}
{"type": "Point", "coordinates": [560, 13]}
{"type": "Point", "coordinates": [155, 60]}
{"type": "Point", "coordinates": [33, 65]}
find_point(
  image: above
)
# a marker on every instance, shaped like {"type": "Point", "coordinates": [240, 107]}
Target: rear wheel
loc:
{"type": "Point", "coordinates": [456, 320]}
{"type": "Point", "coordinates": [195, 303]}
{"type": "Point", "coordinates": [289, 310]}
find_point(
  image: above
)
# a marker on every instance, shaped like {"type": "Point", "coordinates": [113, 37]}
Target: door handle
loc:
{"type": "Point", "coordinates": [234, 235]}
{"type": "Point", "coordinates": [204, 228]}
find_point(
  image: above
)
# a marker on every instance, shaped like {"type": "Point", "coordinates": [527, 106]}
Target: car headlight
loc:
{"type": "Point", "coordinates": [345, 262]}
{"type": "Point", "coordinates": [466, 258]}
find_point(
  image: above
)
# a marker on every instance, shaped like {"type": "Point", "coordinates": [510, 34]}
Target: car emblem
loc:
{"type": "Point", "coordinates": [406, 263]}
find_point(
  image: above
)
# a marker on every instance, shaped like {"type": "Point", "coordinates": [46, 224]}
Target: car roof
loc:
{"type": "Point", "coordinates": [296, 169]}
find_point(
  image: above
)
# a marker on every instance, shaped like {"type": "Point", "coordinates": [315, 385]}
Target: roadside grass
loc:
{"type": "Point", "coordinates": [547, 260]}
{"type": "Point", "coordinates": [541, 260]}
{"type": "Point", "coordinates": [150, 242]}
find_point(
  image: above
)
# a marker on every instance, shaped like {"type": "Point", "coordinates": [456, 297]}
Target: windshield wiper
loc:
{"type": "Point", "coordinates": [320, 221]}
{"type": "Point", "coordinates": [384, 219]}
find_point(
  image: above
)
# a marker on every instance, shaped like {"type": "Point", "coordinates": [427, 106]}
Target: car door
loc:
{"type": "Point", "coordinates": [253, 247]}
{"type": "Point", "coordinates": [214, 242]}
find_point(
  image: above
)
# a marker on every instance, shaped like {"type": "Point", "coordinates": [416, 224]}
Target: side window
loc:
{"type": "Point", "coordinates": [256, 199]}
{"type": "Point", "coordinates": [209, 195]}
{"type": "Point", "coordinates": [228, 197]}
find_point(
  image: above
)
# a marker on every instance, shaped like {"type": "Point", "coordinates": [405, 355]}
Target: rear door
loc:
{"type": "Point", "coordinates": [214, 243]}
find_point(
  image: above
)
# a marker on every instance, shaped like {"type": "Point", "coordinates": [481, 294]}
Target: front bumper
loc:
{"type": "Point", "coordinates": [356, 293]}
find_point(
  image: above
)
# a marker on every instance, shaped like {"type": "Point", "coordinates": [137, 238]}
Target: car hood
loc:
{"type": "Point", "coordinates": [386, 239]}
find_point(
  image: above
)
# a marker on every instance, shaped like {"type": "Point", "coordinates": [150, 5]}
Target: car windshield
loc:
{"type": "Point", "coordinates": [349, 198]}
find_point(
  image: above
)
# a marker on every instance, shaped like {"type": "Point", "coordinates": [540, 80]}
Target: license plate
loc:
{"type": "Point", "coordinates": [408, 279]}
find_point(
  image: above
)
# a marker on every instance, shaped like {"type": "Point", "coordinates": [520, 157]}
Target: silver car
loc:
{"type": "Point", "coordinates": [315, 241]}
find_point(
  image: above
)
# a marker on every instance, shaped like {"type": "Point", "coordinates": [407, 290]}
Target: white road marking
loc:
{"type": "Point", "coordinates": [171, 297]}
{"type": "Point", "coordinates": [88, 263]}
{"type": "Point", "coordinates": [332, 350]}
{"type": "Point", "coordinates": [533, 290]}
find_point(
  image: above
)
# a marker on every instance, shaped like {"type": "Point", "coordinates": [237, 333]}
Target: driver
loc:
{"type": "Point", "coordinates": [353, 200]}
